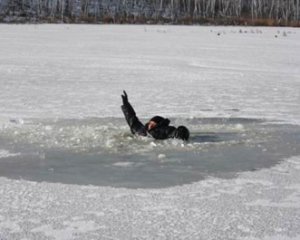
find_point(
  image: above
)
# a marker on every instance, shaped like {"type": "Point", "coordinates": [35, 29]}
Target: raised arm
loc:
{"type": "Point", "coordinates": [134, 123]}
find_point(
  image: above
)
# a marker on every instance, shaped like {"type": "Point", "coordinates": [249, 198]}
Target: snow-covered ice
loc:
{"type": "Point", "coordinates": [237, 88]}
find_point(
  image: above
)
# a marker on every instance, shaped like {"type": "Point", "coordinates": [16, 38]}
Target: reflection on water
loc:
{"type": "Point", "coordinates": [103, 152]}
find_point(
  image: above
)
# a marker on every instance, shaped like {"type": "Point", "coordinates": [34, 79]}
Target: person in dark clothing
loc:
{"type": "Point", "coordinates": [158, 127]}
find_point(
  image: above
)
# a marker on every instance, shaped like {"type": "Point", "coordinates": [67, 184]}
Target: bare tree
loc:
{"type": "Point", "coordinates": [172, 10]}
{"type": "Point", "coordinates": [297, 10]}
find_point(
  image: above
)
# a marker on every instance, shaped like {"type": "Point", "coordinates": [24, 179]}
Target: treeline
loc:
{"type": "Point", "coordinates": [253, 12]}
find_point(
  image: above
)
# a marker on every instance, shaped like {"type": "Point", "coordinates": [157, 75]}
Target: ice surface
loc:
{"type": "Point", "coordinates": [59, 82]}
{"type": "Point", "coordinates": [72, 71]}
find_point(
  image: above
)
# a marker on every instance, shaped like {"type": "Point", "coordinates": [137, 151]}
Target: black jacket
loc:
{"type": "Point", "coordinates": [161, 131]}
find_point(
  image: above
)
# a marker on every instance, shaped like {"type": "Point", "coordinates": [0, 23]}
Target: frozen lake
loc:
{"type": "Point", "coordinates": [70, 169]}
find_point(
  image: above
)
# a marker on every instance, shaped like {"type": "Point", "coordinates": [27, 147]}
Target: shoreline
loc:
{"type": "Point", "coordinates": [141, 21]}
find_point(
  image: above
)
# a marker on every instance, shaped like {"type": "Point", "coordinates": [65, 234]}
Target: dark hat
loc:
{"type": "Point", "coordinates": [182, 133]}
{"type": "Point", "coordinates": [157, 119]}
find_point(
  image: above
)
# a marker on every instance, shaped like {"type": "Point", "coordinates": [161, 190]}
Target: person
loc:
{"type": "Point", "coordinates": [158, 127]}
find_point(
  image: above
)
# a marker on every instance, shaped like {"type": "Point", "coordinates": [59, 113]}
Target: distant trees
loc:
{"type": "Point", "coordinates": [175, 11]}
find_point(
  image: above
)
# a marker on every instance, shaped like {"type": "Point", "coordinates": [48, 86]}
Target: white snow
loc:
{"type": "Point", "coordinates": [5, 153]}
{"type": "Point", "coordinates": [73, 71]}
{"type": "Point", "coordinates": [79, 71]}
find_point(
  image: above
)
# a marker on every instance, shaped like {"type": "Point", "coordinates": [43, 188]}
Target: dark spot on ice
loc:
{"type": "Point", "coordinates": [212, 137]}
{"type": "Point", "coordinates": [206, 110]}
{"type": "Point", "coordinates": [233, 110]}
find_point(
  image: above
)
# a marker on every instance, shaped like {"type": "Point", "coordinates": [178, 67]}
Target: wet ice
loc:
{"type": "Point", "coordinates": [104, 152]}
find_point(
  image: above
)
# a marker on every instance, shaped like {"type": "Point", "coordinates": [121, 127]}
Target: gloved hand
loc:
{"type": "Point", "coordinates": [125, 98]}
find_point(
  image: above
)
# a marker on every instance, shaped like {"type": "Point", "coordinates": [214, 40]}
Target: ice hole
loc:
{"type": "Point", "coordinates": [103, 152]}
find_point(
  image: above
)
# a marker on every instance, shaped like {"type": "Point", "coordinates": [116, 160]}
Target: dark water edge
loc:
{"type": "Point", "coordinates": [107, 154]}
{"type": "Point", "coordinates": [188, 21]}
